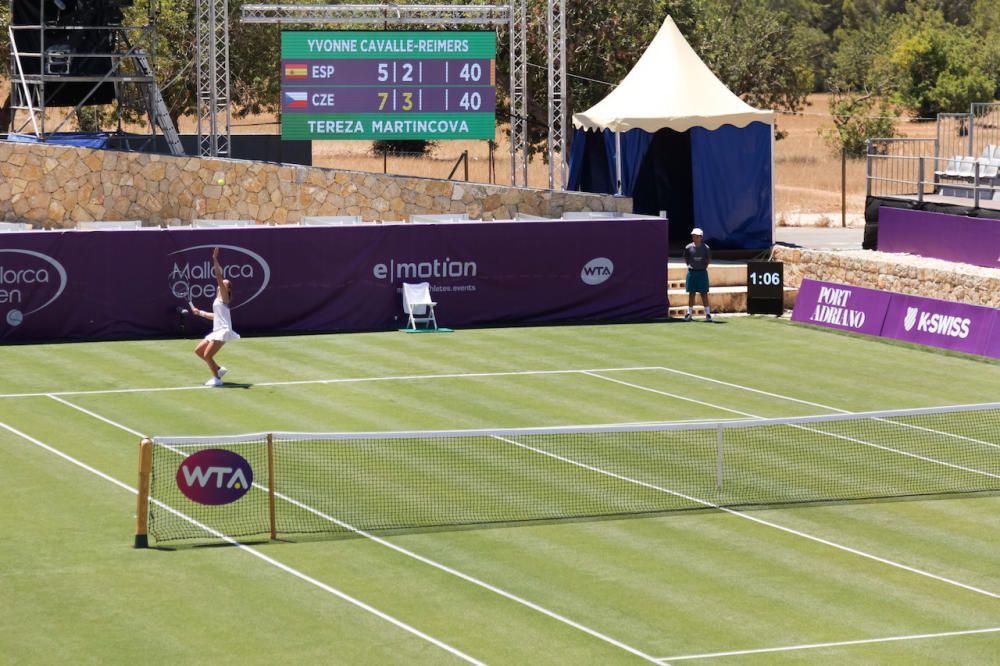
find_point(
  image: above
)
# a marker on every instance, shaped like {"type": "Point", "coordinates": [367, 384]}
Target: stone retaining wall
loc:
{"type": "Point", "coordinates": [905, 274]}
{"type": "Point", "coordinates": [57, 186]}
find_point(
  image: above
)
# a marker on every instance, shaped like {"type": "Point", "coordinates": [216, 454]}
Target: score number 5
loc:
{"type": "Point", "coordinates": [407, 105]}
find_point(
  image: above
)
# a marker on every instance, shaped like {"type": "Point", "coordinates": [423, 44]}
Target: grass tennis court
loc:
{"type": "Point", "coordinates": [900, 581]}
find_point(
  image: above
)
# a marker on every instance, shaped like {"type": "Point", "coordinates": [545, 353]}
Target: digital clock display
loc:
{"type": "Point", "coordinates": [388, 85]}
{"type": "Point", "coordinates": [765, 287]}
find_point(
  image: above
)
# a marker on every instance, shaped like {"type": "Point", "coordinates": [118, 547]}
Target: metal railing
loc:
{"type": "Point", "coordinates": [908, 168]}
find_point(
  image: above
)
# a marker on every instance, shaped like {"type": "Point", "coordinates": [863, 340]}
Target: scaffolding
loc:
{"type": "Point", "coordinates": [45, 79]}
{"type": "Point", "coordinates": [212, 67]}
{"type": "Point", "coordinates": [512, 15]}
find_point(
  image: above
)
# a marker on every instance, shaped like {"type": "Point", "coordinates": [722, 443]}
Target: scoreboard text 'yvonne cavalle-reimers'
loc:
{"type": "Point", "coordinates": [388, 85]}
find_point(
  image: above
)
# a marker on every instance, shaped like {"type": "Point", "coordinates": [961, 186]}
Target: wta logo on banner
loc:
{"type": "Point", "coordinates": [597, 271]}
{"type": "Point", "coordinates": [192, 277]}
{"type": "Point", "coordinates": [27, 277]}
{"type": "Point", "coordinates": [214, 476]}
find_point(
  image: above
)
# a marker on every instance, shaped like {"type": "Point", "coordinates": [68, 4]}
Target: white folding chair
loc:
{"type": "Point", "coordinates": [418, 306]}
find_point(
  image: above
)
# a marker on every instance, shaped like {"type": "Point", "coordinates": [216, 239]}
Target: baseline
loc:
{"type": "Point", "coordinates": [344, 380]}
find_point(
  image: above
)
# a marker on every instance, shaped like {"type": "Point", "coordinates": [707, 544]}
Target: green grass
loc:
{"type": "Point", "coordinates": [600, 591]}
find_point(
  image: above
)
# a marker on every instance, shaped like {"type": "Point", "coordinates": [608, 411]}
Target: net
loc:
{"type": "Point", "coordinates": [350, 483]}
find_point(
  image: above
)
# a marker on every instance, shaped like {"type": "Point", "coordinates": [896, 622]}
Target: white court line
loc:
{"type": "Point", "coordinates": [345, 380]}
{"type": "Point", "coordinates": [760, 521]}
{"type": "Point", "coordinates": [813, 646]}
{"type": "Point", "coordinates": [813, 404]}
{"type": "Point", "coordinates": [426, 560]}
{"type": "Point", "coordinates": [593, 373]}
{"type": "Point", "coordinates": [251, 551]}
{"type": "Point", "coordinates": [819, 432]}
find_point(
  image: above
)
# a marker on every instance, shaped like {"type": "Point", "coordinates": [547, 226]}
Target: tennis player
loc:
{"type": "Point", "coordinates": [222, 324]}
{"type": "Point", "coordinates": [697, 256]}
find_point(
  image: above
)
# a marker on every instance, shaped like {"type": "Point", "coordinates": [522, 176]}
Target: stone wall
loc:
{"type": "Point", "coordinates": [905, 274]}
{"type": "Point", "coordinates": [57, 186]}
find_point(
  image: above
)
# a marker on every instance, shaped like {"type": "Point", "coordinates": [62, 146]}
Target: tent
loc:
{"type": "Point", "coordinates": [675, 139]}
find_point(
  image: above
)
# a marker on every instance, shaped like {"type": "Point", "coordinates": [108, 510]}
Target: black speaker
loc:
{"type": "Point", "coordinates": [68, 49]}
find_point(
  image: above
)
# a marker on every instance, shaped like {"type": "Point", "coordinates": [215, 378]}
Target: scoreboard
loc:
{"type": "Point", "coordinates": [765, 287]}
{"type": "Point", "coordinates": [363, 85]}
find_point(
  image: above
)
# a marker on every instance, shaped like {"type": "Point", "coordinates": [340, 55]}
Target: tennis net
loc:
{"type": "Point", "coordinates": [267, 485]}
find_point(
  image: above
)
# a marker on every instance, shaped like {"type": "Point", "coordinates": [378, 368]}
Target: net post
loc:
{"type": "Point", "coordinates": [270, 487]}
{"type": "Point", "coordinates": [718, 458]}
{"type": "Point", "coordinates": [142, 497]}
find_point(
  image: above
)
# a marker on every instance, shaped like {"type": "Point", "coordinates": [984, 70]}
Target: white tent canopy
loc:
{"type": "Point", "coordinates": [670, 87]}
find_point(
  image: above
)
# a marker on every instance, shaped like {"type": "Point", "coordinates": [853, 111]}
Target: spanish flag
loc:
{"type": "Point", "coordinates": [296, 71]}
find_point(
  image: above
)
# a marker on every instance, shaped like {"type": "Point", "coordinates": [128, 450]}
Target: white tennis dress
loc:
{"type": "Point", "coordinates": [222, 327]}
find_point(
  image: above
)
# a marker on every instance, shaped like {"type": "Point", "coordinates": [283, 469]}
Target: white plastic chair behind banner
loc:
{"type": "Point", "coordinates": [418, 306]}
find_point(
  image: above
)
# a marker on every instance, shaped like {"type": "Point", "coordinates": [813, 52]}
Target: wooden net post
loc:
{"type": "Point", "coordinates": [270, 487]}
{"type": "Point", "coordinates": [142, 498]}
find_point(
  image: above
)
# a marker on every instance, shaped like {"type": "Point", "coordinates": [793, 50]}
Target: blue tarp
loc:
{"type": "Point", "coordinates": [97, 140]}
{"type": "Point", "coordinates": [730, 184]}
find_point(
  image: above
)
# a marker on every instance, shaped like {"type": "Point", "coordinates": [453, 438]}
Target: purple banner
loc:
{"type": "Point", "coordinates": [388, 99]}
{"type": "Point", "coordinates": [950, 237]}
{"type": "Point", "coordinates": [125, 284]}
{"type": "Point", "coordinates": [927, 321]}
{"type": "Point", "coordinates": [967, 328]}
{"type": "Point", "coordinates": [840, 306]}
{"type": "Point", "coordinates": [462, 72]}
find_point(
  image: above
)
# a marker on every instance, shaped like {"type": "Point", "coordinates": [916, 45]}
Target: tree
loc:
{"type": "Point", "coordinates": [938, 66]}
{"type": "Point", "coordinates": [858, 117]}
{"type": "Point", "coordinates": [760, 53]}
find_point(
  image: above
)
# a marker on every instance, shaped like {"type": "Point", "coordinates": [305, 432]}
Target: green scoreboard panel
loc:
{"type": "Point", "coordinates": [363, 85]}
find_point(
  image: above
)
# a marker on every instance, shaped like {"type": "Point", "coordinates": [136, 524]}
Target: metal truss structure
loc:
{"type": "Point", "coordinates": [212, 61]}
{"type": "Point", "coordinates": [519, 91]}
{"type": "Point", "coordinates": [129, 64]}
{"type": "Point", "coordinates": [419, 14]}
{"type": "Point", "coordinates": [556, 32]}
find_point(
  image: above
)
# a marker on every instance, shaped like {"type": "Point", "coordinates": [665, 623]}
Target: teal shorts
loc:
{"type": "Point", "coordinates": [696, 282]}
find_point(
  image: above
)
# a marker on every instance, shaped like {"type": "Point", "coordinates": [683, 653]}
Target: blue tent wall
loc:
{"type": "Point", "coordinates": [730, 173]}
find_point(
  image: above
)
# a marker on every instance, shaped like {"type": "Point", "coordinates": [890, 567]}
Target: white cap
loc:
{"type": "Point", "coordinates": [697, 232]}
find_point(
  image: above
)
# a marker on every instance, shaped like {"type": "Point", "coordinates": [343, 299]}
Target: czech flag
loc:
{"type": "Point", "coordinates": [296, 100]}
{"type": "Point", "coordinates": [296, 71]}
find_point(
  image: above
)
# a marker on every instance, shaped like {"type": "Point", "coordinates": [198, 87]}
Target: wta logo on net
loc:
{"type": "Point", "coordinates": [27, 277]}
{"type": "Point", "coordinates": [192, 277]}
{"type": "Point", "coordinates": [214, 476]}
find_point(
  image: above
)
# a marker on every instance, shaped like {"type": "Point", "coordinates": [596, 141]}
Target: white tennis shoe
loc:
{"type": "Point", "coordinates": [222, 371]}
{"type": "Point", "coordinates": [214, 381]}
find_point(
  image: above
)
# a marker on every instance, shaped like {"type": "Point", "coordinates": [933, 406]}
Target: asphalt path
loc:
{"type": "Point", "coordinates": [821, 238]}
